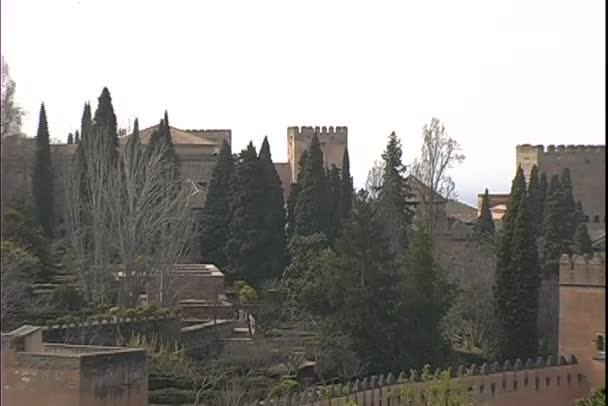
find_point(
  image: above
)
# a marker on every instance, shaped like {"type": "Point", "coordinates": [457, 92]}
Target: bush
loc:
{"type": "Point", "coordinates": [67, 297]}
{"type": "Point", "coordinates": [172, 396]}
{"type": "Point", "coordinates": [149, 310]}
{"type": "Point", "coordinates": [286, 387]}
{"type": "Point", "coordinates": [246, 293]}
{"type": "Point", "coordinates": [131, 313]}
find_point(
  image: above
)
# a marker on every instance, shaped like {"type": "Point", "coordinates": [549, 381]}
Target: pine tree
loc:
{"type": "Point", "coordinates": [215, 213]}
{"type": "Point", "coordinates": [392, 200]}
{"type": "Point", "coordinates": [76, 137]}
{"type": "Point", "coordinates": [105, 117]}
{"type": "Point", "coordinates": [517, 289]}
{"type": "Point", "coordinates": [484, 224]}
{"type": "Point", "coordinates": [292, 199]}
{"type": "Point", "coordinates": [272, 232]}
{"type": "Point", "coordinates": [334, 195]}
{"type": "Point", "coordinates": [243, 249]}
{"type": "Point", "coordinates": [42, 177]}
{"type": "Point", "coordinates": [70, 138]}
{"type": "Point", "coordinates": [553, 244]}
{"type": "Point", "coordinates": [582, 241]}
{"type": "Point", "coordinates": [311, 214]}
{"type": "Point", "coordinates": [543, 187]}
{"type": "Point", "coordinates": [346, 195]}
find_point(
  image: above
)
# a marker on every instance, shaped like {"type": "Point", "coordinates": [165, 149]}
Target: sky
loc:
{"type": "Point", "coordinates": [496, 73]}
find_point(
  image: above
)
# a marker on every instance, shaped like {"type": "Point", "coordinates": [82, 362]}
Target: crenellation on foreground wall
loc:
{"type": "Point", "coordinates": [551, 149]}
{"type": "Point", "coordinates": [586, 270]}
{"type": "Point", "coordinates": [539, 382]}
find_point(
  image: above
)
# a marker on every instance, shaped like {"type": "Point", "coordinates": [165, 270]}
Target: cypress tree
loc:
{"type": "Point", "coordinates": [334, 195]}
{"type": "Point", "coordinates": [272, 232]}
{"type": "Point", "coordinates": [346, 195]}
{"type": "Point", "coordinates": [76, 137]}
{"type": "Point", "coordinates": [311, 207]}
{"type": "Point", "coordinates": [543, 187]}
{"type": "Point", "coordinates": [215, 213]}
{"type": "Point", "coordinates": [42, 177]}
{"type": "Point", "coordinates": [568, 208]}
{"type": "Point", "coordinates": [517, 289]}
{"type": "Point", "coordinates": [85, 122]}
{"type": "Point", "coordinates": [518, 191]}
{"type": "Point", "coordinates": [582, 241]}
{"type": "Point", "coordinates": [534, 194]}
{"type": "Point", "coordinates": [292, 200]}
{"type": "Point", "coordinates": [70, 138]}
{"type": "Point", "coordinates": [392, 203]}
{"type": "Point", "coordinates": [484, 224]}
{"type": "Point", "coordinates": [579, 214]}
{"type": "Point", "coordinates": [553, 244]}
{"type": "Point", "coordinates": [243, 249]}
{"type": "Point", "coordinates": [105, 117]}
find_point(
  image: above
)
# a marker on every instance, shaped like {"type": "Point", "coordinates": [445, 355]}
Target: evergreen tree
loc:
{"type": "Point", "coordinates": [518, 192]}
{"type": "Point", "coordinates": [426, 299]}
{"type": "Point", "coordinates": [543, 186]}
{"type": "Point", "coordinates": [335, 214]}
{"type": "Point", "coordinates": [85, 122]}
{"type": "Point", "coordinates": [579, 214]}
{"type": "Point", "coordinates": [568, 208]}
{"type": "Point", "coordinates": [582, 241]}
{"type": "Point", "coordinates": [292, 200]}
{"type": "Point", "coordinates": [243, 249]}
{"type": "Point", "coordinates": [272, 232]}
{"type": "Point", "coordinates": [105, 117]}
{"type": "Point", "coordinates": [392, 200]}
{"type": "Point", "coordinates": [553, 244]}
{"type": "Point", "coordinates": [76, 137]}
{"type": "Point", "coordinates": [517, 289]}
{"type": "Point", "coordinates": [484, 224]}
{"type": "Point", "coordinates": [70, 138]}
{"type": "Point", "coordinates": [215, 213]}
{"type": "Point", "coordinates": [42, 177]}
{"type": "Point", "coordinates": [160, 141]}
{"type": "Point", "coordinates": [311, 214]}
{"type": "Point", "coordinates": [534, 194]}
{"type": "Point", "coordinates": [346, 195]}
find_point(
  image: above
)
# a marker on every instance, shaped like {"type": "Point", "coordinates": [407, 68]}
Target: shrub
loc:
{"type": "Point", "coordinates": [149, 310]}
{"type": "Point", "coordinates": [131, 313]}
{"type": "Point", "coordinates": [172, 396]}
{"type": "Point", "coordinates": [67, 297]}
{"type": "Point", "coordinates": [246, 293]}
{"type": "Point", "coordinates": [285, 387]}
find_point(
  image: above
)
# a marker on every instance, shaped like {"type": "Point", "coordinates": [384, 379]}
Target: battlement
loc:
{"type": "Point", "coordinates": [509, 383]}
{"type": "Point", "coordinates": [336, 134]}
{"type": "Point", "coordinates": [553, 149]}
{"type": "Point", "coordinates": [584, 270]}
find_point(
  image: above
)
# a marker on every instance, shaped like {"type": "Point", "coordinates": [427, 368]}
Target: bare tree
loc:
{"type": "Point", "coordinates": [439, 153]}
{"type": "Point", "coordinates": [373, 183]}
{"type": "Point", "coordinates": [18, 266]}
{"type": "Point", "coordinates": [11, 113]}
{"type": "Point", "coordinates": [128, 215]}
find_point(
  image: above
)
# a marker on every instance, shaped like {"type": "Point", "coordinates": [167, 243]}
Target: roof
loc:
{"type": "Point", "coordinates": [461, 211]}
{"type": "Point", "coordinates": [600, 243]}
{"type": "Point", "coordinates": [178, 137]}
{"type": "Point", "coordinates": [418, 188]}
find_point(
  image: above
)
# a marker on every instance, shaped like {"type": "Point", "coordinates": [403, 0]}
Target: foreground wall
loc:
{"type": "Point", "coordinates": [540, 383]}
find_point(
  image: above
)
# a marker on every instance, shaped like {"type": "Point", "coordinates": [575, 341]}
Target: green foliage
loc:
{"type": "Point", "coordinates": [535, 196]}
{"type": "Point", "coordinates": [76, 137]}
{"type": "Point", "coordinates": [285, 387]}
{"type": "Point", "coordinates": [272, 230]}
{"type": "Point", "coordinates": [517, 287]}
{"type": "Point", "coordinates": [485, 224]}
{"type": "Point", "coordinates": [70, 138]}
{"type": "Point", "coordinates": [246, 293]}
{"type": "Point", "coordinates": [171, 396]}
{"type": "Point", "coordinates": [244, 247]}
{"type": "Point", "coordinates": [595, 398]}
{"type": "Point", "coordinates": [553, 244]}
{"type": "Point", "coordinates": [105, 117]}
{"type": "Point", "coordinates": [312, 208]}
{"type": "Point", "coordinates": [543, 186]}
{"type": "Point", "coordinates": [42, 177]}
{"type": "Point", "coordinates": [292, 200]}
{"type": "Point", "coordinates": [435, 390]}
{"type": "Point", "coordinates": [582, 240]}
{"type": "Point", "coordinates": [163, 359]}
{"type": "Point", "coordinates": [347, 190]}
{"type": "Point", "coordinates": [214, 219]}
{"type": "Point", "coordinates": [68, 298]}
{"type": "Point", "coordinates": [392, 199]}
{"type": "Point", "coordinates": [334, 202]}
{"type": "Point", "coordinates": [18, 270]}
{"type": "Point", "coordinates": [567, 209]}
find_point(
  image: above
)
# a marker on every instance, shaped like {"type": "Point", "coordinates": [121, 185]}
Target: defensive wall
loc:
{"type": "Point", "coordinates": [37, 373]}
{"type": "Point", "coordinates": [544, 382]}
{"type": "Point", "coordinates": [582, 312]}
{"type": "Point", "coordinates": [587, 164]}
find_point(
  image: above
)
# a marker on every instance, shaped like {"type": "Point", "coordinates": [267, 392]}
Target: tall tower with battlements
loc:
{"type": "Point", "coordinates": [587, 165]}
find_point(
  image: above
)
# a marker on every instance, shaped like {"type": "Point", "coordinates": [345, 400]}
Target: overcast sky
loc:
{"type": "Point", "coordinates": [495, 73]}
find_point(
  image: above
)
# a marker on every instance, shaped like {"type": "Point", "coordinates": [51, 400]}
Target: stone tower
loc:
{"type": "Point", "coordinates": [587, 165]}
{"type": "Point", "coordinates": [333, 142]}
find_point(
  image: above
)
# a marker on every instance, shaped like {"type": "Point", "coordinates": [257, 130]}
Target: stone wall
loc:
{"type": "Point", "coordinates": [582, 314]}
{"type": "Point", "coordinates": [202, 340]}
{"type": "Point", "coordinates": [115, 332]}
{"type": "Point", "coordinates": [541, 383]}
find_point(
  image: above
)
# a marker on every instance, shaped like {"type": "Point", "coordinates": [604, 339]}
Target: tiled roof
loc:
{"type": "Point", "coordinates": [177, 137]}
